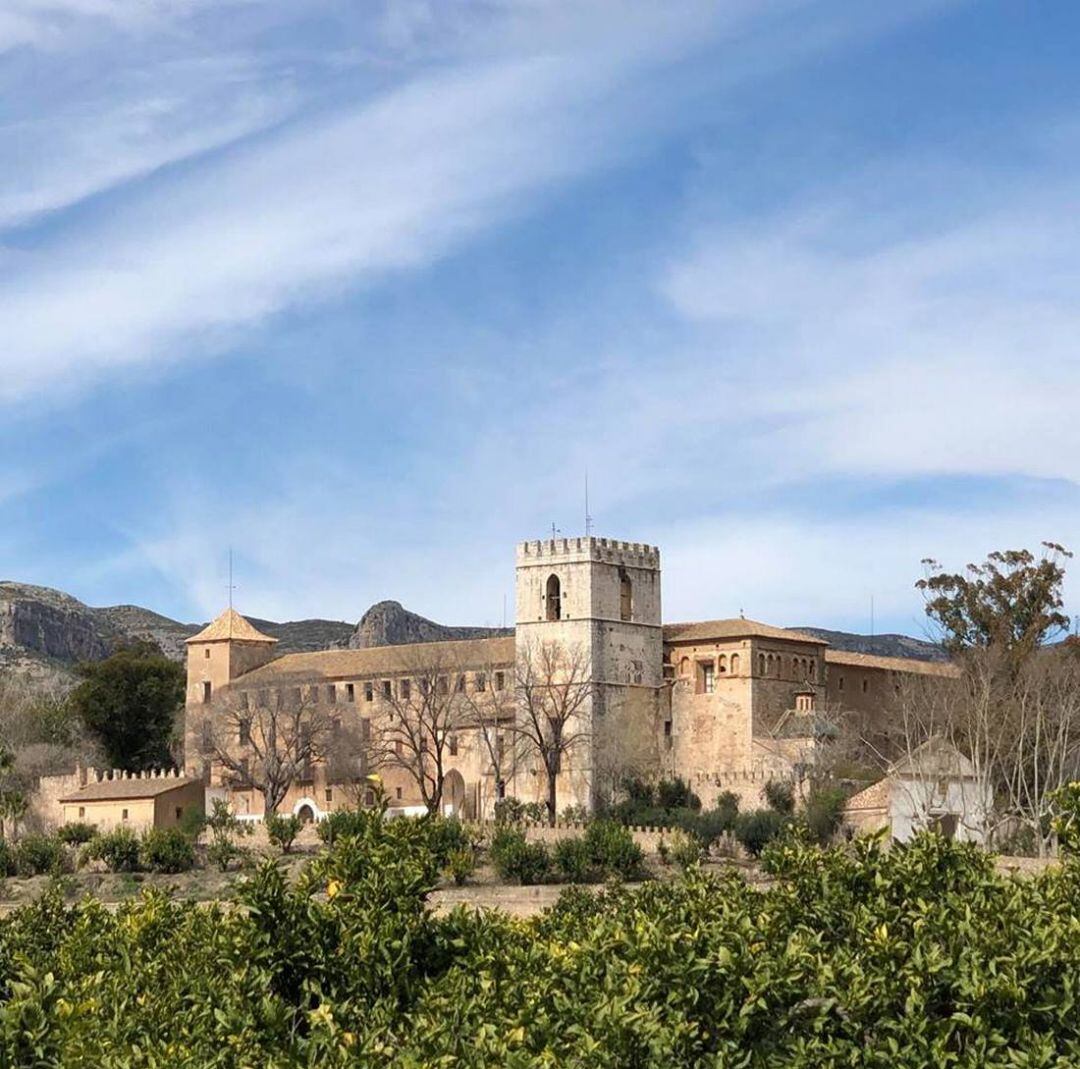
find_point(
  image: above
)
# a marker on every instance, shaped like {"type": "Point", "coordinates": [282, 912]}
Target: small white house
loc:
{"type": "Point", "coordinates": [935, 786]}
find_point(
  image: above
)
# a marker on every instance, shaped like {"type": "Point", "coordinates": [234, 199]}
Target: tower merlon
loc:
{"type": "Point", "coordinates": [609, 550]}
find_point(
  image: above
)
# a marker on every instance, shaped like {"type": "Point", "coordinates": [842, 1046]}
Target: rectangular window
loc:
{"type": "Point", "coordinates": [481, 681]}
{"type": "Point", "coordinates": [397, 793]}
{"type": "Point", "coordinates": [294, 697]}
{"type": "Point", "coordinates": [244, 732]}
{"type": "Point", "coordinates": [667, 735]}
{"type": "Point", "coordinates": [841, 684]}
{"type": "Point", "coordinates": [386, 692]}
{"type": "Point", "coordinates": [441, 686]}
{"type": "Point", "coordinates": [405, 689]}
{"type": "Point", "coordinates": [123, 814]}
{"type": "Point", "coordinates": [369, 692]}
{"type": "Point", "coordinates": [708, 677]}
{"type": "Point", "coordinates": [329, 794]}
{"type": "Point", "coordinates": [313, 692]}
{"type": "Point", "coordinates": [500, 680]}
{"type": "Point", "coordinates": [82, 812]}
{"type": "Point", "coordinates": [350, 692]}
{"type": "Point", "coordinates": [369, 798]}
{"type": "Point", "coordinates": [179, 811]}
{"type": "Point", "coordinates": [453, 746]}
{"type": "Point", "coordinates": [459, 686]}
{"type": "Point", "coordinates": [331, 693]}
{"type": "Point", "coordinates": [208, 653]}
{"type": "Point", "coordinates": [207, 689]}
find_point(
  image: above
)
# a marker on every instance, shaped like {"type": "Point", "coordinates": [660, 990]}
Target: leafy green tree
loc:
{"type": "Point", "coordinates": [129, 702]}
{"type": "Point", "coordinates": [1012, 600]}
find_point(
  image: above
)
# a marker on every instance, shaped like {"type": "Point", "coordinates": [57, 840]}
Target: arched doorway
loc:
{"type": "Point", "coordinates": [453, 796]}
{"type": "Point", "coordinates": [306, 814]}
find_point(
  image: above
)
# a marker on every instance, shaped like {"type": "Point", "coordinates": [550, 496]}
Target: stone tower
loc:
{"type": "Point", "coordinates": [601, 597]}
{"type": "Point", "coordinates": [224, 649]}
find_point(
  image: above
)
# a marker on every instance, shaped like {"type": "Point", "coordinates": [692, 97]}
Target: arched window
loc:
{"type": "Point", "coordinates": [761, 664]}
{"type": "Point", "coordinates": [722, 664]}
{"type": "Point", "coordinates": [734, 664]}
{"type": "Point", "coordinates": [684, 666]}
{"type": "Point", "coordinates": [813, 669]}
{"type": "Point", "coordinates": [553, 598]}
{"type": "Point", "coordinates": [769, 662]}
{"type": "Point", "coordinates": [626, 596]}
{"type": "Point", "coordinates": [778, 666]}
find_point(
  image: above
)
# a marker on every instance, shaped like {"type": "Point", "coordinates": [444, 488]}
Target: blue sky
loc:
{"type": "Point", "coordinates": [361, 290]}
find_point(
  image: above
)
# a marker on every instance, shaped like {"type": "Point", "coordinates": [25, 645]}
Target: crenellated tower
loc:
{"type": "Point", "coordinates": [601, 597]}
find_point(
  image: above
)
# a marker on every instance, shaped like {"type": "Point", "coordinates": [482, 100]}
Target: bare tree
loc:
{"type": "Point", "coordinates": [272, 739]}
{"type": "Point", "coordinates": [554, 688]}
{"type": "Point", "coordinates": [489, 709]}
{"type": "Point", "coordinates": [425, 712]}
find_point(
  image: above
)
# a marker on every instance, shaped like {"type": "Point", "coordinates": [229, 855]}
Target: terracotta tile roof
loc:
{"type": "Point", "coordinates": [385, 660]}
{"type": "Point", "coordinates": [230, 625]}
{"type": "Point", "coordinates": [876, 796]}
{"type": "Point", "coordinates": [119, 789]}
{"type": "Point", "coordinates": [892, 664]}
{"type": "Point", "coordinates": [710, 630]}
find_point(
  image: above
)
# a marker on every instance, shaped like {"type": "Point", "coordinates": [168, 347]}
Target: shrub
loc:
{"type": "Point", "coordinates": [780, 796]}
{"type": "Point", "coordinates": [445, 836]}
{"type": "Point", "coordinates": [282, 830]}
{"type": "Point", "coordinates": [76, 833]}
{"type": "Point", "coordinates": [461, 864]}
{"type": "Point", "coordinates": [343, 822]}
{"type": "Point", "coordinates": [508, 811]}
{"type": "Point", "coordinates": [676, 794]}
{"type": "Point", "coordinates": [824, 812]}
{"type": "Point", "coordinates": [575, 814]}
{"type": "Point", "coordinates": [118, 850]}
{"type": "Point", "coordinates": [515, 858]}
{"type": "Point", "coordinates": [611, 847]}
{"type": "Point", "coordinates": [756, 829]}
{"type": "Point", "coordinates": [573, 861]}
{"type": "Point", "coordinates": [686, 850]}
{"type": "Point", "coordinates": [166, 850]}
{"type": "Point", "coordinates": [537, 812]}
{"type": "Point", "coordinates": [37, 855]}
{"type": "Point", "coordinates": [224, 829]}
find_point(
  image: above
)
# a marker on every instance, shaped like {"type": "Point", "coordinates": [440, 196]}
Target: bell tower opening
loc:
{"type": "Point", "coordinates": [553, 598]}
{"type": "Point", "coordinates": [626, 596]}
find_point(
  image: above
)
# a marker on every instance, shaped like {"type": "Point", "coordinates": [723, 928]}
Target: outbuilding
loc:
{"type": "Point", "coordinates": [136, 800]}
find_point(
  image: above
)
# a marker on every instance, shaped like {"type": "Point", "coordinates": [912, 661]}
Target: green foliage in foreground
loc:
{"type": "Point", "coordinates": [910, 958]}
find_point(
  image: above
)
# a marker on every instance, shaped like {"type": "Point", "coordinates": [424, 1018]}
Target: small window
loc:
{"type": "Point", "coordinates": [386, 692]}
{"type": "Point", "coordinates": [206, 653]}
{"type": "Point", "coordinates": [626, 596]}
{"type": "Point", "coordinates": [734, 664]}
{"type": "Point", "coordinates": [405, 689]}
{"type": "Point", "coordinates": [722, 664]}
{"type": "Point", "coordinates": [865, 685]}
{"type": "Point", "coordinates": [369, 692]}
{"type": "Point", "coordinates": [708, 677]}
{"type": "Point", "coordinates": [453, 746]}
{"type": "Point", "coordinates": [369, 798]}
{"type": "Point", "coordinates": [329, 794]}
{"type": "Point", "coordinates": [442, 686]}
{"type": "Point", "coordinates": [179, 811]}
{"type": "Point", "coordinates": [667, 729]}
{"type": "Point", "coordinates": [331, 693]}
{"type": "Point", "coordinates": [313, 691]}
{"type": "Point", "coordinates": [459, 685]}
{"type": "Point", "coordinates": [397, 793]}
{"type": "Point", "coordinates": [553, 598]}
{"type": "Point", "coordinates": [761, 664]}
{"type": "Point", "coordinates": [207, 690]}
{"type": "Point", "coordinates": [500, 680]}
{"type": "Point", "coordinates": [684, 666]}
{"type": "Point", "coordinates": [480, 681]}
{"type": "Point", "coordinates": [82, 812]}
{"type": "Point", "coordinates": [399, 748]}
{"type": "Point", "coordinates": [840, 684]}
{"type": "Point", "coordinates": [350, 692]}
{"type": "Point", "coordinates": [123, 814]}
{"type": "Point", "coordinates": [244, 732]}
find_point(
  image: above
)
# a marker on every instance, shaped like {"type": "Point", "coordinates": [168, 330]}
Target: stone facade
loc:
{"type": "Point", "coordinates": [726, 704]}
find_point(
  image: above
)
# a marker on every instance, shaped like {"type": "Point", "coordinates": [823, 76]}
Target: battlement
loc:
{"type": "Point", "coordinates": [610, 550]}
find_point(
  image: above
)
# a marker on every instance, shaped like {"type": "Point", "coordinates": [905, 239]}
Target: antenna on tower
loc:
{"type": "Point", "coordinates": [554, 532]}
{"type": "Point", "coordinates": [588, 518]}
{"type": "Point", "coordinates": [231, 586]}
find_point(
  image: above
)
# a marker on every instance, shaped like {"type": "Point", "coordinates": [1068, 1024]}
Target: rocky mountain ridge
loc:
{"type": "Point", "coordinates": [46, 632]}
